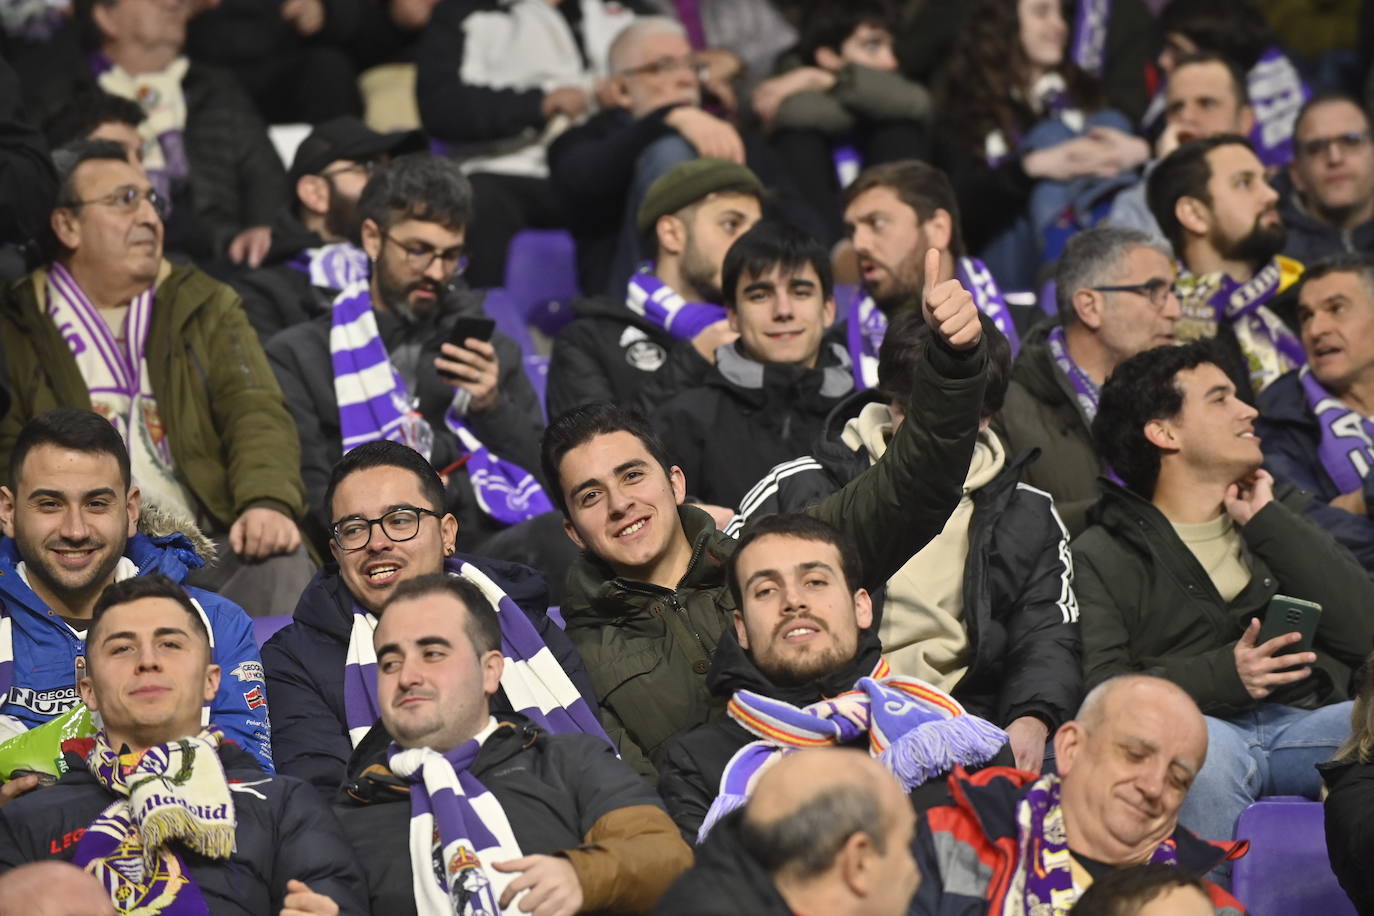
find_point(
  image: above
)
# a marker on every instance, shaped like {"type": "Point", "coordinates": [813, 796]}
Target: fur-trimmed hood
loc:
{"type": "Point", "coordinates": [163, 526]}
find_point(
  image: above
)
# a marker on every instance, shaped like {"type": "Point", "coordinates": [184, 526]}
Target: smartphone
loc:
{"type": "Point", "coordinates": [465, 327]}
{"type": "Point", "coordinates": [1290, 615]}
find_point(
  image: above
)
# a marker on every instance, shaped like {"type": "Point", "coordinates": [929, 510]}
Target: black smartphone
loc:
{"type": "Point", "coordinates": [1290, 615]}
{"type": "Point", "coordinates": [465, 327]}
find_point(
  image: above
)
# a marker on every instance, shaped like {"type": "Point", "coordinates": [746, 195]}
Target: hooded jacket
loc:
{"type": "Point", "coordinates": [967, 849]}
{"type": "Point", "coordinates": [1019, 609]}
{"type": "Point", "coordinates": [1148, 606]}
{"type": "Point", "coordinates": [648, 648]}
{"type": "Point", "coordinates": [563, 795]}
{"type": "Point", "coordinates": [46, 648]}
{"type": "Point", "coordinates": [1041, 411]}
{"type": "Point", "coordinates": [305, 663]}
{"type": "Point", "coordinates": [233, 444]}
{"type": "Point", "coordinates": [747, 416]}
{"type": "Point", "coordinates": [511, 429]}
{"type": "Point", "coordinates": [1349, 840]}
{"type": "Point", "coordinates": [1290, 436]}
{"type": "Point", "coordinates": [281, 832]}
{"type": "Point", "coordinates": [277, 295]}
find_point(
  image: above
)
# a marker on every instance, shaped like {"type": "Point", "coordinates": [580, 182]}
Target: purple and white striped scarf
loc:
{"type": "Point", "coordinates": [337, 265]}
{"type": "Point", "coordinates": [1346, 448]}
{"type": "Point", "coordinates": [447, 802]}
{"type": "Point", "coordinates": [867, 325]}
{"type": "Point", "coordinates": [659, 304]}
{"type": "Point", "coordinates": [1277, 94]}
{"type": "Point", "coordinates": [913, 728]}
{"type": "Point", "coordinates": [1090, 35]}
{"type": "Point", "coordinates": [374, 403]}
{"type": "Point", "coordinates": [1042, 884]}
{"type": "Point", "coordinates": [175, 794]}
{"type": "Point", "coordinates": [1087, 392]}
{"type": "Point", "coordinates": [1209, 300]}
{"type": "Point", "coordinates": [536, 685]}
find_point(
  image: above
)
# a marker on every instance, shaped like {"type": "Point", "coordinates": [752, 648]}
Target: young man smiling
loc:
{"type": "Point", "coordinates": [648, 601]}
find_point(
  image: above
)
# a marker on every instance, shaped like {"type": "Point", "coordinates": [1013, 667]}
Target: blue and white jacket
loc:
{"type": "Point", "coordinates": [41, 681]}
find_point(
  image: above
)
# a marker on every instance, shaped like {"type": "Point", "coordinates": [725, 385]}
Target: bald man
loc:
{"type": "Point", "coordinates": [52, 889]}
{"type": "Point", "coordinates": [825, 831]}
{"type": "Point", "coordinates": [1125, 765]}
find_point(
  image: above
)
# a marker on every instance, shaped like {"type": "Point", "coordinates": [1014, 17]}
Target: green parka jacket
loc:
{"type": "Point", "coordinates": [647, 649]}
{"type": "Point", "coordinates": [233, 443]}
{"type": "Point", "coordinates": [1146, 604]}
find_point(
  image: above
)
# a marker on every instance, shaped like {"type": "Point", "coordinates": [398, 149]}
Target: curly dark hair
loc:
{"type": "Point", "coordinates": [986, 65]}
{"type": "Point", "coordinates": [1144, 388]}
{"type": "Point", "coordinates": [1235, 29]}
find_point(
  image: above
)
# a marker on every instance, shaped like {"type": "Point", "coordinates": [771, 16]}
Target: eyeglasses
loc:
{"type": "Point", "coordinates": [1157, 290]}
{"type": "Point", "coordinates": [666, 65]}
{"type": "Point", "coordinates": [1319, 146]}
{"type": "Point", "coordinates": [420, 256]}
{"type": "Point", "coordinates": [367, 167]}
{"type": "Point", "coordinates": [126, 200]}
{"type": "Point", "coordinates": [402, 524]}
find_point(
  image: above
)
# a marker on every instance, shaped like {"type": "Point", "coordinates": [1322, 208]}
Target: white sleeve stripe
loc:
{"type": "Point", "coordinates": [768, 485]}
{"type": "Point", "coordinates": [1068, 601]}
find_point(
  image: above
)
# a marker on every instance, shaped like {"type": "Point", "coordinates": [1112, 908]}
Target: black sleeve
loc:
{"type": "Point", "coordinates": [319, 435]}
{"type": "Point", "coordinates": [458, 112]}
{"type": "Point", "coordinates": [28, 182]}
{"type": "Point", "coordinates": [576, 376]}
{"type": "Point", "coordinates": [685, 794]}
{"type": "Point", "coordinates": [308, 741]}
{"type": "Point", "coordinates": [311, 847]}
{"type": "Point", "coordinates": [601, 783]}
{"type": "Point", "coordinates": [597, 159]}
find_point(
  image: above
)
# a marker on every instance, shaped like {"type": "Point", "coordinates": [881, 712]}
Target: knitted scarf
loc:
{"type": "Point", "coordinates": [1346, 449]}
{"type": "Point", "coordinates": [334, 266]}
{"type": "Point", "coordinates": [163, 129]}
{"type": "Point", "coordinates": [659, 304]}
{"type": "Point", "coordinates": [450, 805]}
{"type": "Point", "coordinates": [867, 325]}
{"type": "Point", "coordinates": [915, 730]}
{"type": "Point", "coordinates": [374, 403]}
{"type": "Point", "coordinates": [1209, 300]}
{"type": "Point", "coordinates": [1277, 93]}
{"type": "Point", "coordinates": [1090, 35]}
{"type": "Point", "coordinates": [535, 684]}
{"type": "Point", "coordinates": [1042, 884]}
{"type": "Point", "coordinates": [1087, 392]}
{"type": "Point", "coordinates": [175, 794]}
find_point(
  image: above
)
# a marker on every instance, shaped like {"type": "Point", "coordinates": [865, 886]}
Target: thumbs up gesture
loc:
{"type": "Point", "coordinates": [948, 307]}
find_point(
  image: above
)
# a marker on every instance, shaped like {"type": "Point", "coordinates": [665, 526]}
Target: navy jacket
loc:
{"type": "Point", "coordinates": [305, 663]}
{"type": "Point", "coordinates": [1290, 435]}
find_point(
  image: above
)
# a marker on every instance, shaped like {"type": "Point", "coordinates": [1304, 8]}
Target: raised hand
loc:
{"type": "Point", "coordinates": [948, 307]}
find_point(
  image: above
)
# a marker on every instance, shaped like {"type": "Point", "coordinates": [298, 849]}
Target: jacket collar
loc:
{"type": "Point", "coordinates": [171, 555]}
{"type": "Point", "coordinates": [830, 378]}
{"type": "Point", "coordinates": [733, 669]}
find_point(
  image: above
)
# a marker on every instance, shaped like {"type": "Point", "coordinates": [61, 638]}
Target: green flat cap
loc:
{"type": "Point", "coordinates": [688, 183]}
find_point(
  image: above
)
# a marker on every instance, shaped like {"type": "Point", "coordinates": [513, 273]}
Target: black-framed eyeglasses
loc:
{"type": "Point", "coordinates": [1319, 146]}
{"type": "Point", "coordinates": [125, 200]}
{"type": "Point", "coordinates": [400, 524]}
{"type": "Point", "coordinates": [664, 65]}
{"type": "Point", "coordinates": [1156, 290]}
{"type": "Point", "coordinates": [419, 256]}
{"type": "Point", "coordinates": [366, 166]}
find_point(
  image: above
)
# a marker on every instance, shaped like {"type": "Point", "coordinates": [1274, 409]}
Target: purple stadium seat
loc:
{"type": "Point", "coordinates": [1286, 870]}
{"type": "Point", "coordinates": [502, 308]}
{"type": "Point", "coordinates": [264, 627]}
{"type": "Point", "coordinates": [541, 277]}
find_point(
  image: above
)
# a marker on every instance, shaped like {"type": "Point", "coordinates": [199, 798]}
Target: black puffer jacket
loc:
{"type": "Point", "coordinates": [725, 881]}
{"type": "Point", "coordinates": [1349, 838]}
{"type": "Point", "coordinates": [283, 831]}
{"type": "Point", "coordinates": [277, 295]}
{"type": "Point", "coordinates": [1019, 606]}
{"type": "Point", "coordinates": [305, 661]}
{"type": "Point", "coordinates": [746, 417]}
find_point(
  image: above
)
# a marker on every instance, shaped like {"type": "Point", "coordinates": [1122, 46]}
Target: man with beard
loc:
{"type": "Point", "coordinates": [1183, 561]}
{"type": "Point", "coordinates": [666, 332]}
{"type": "Point", "coordinates": [379, 365]}
{"type": "Point", "coordinates": [164, 353]}
{"type": "Point", "coordinates": [1330, 207]}
{"type": "Point", "coordinates": [1215, 207]}
{"type": "Point", "coordinates": [315, 251]}
{"type": "Point", "coordinates": [803, 667]}
{"type": "Point", "coordinates": [893, 214]}
{"type": "Point", "coordinates": [71, 515]}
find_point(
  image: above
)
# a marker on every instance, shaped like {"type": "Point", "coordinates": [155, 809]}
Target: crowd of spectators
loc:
{"type": "Point", "coordinates": [951, 491]}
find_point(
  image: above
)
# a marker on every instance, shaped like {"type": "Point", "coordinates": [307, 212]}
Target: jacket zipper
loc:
{"type": "Point", "coordinates": [701, 643]}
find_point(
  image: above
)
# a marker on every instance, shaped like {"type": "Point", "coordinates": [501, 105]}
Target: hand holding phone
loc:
{"type": "Point", "coordinates": [1281, 652]}
{"type": "Point", "coordinates": [465, 328]}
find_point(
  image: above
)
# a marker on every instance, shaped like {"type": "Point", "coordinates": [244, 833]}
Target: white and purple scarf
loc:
{"type": "Point", "coordinates": [1086, 392]}
{"type": "Point", "coordinates": [659, 304]}
{"type": "Point", "coordinates": [867, 325]}
{"type": "Point", "coordinates": [458, 829]}
{"type": "Point", "coordinates": [337, 265]}
{"type": "Point", "coordinates": [175, 794]}
{"type": "Point", "coordinates": [1042, 884]}
{"type": "Point", "coordinates": [1209, 300]}
{"type": "Point", "coordinates": [914, 729]}
{"type": "Point", "coordinates": [1277, 93]}
{"type": "Point", "coordinates": [1090, 35]}
{"type": "Point", "coordinates": [163, 129]}
{"type": "Point", "coordinates": [534, 682]}
{"type": "Point", "coordinates": [1346, 448]}
{"type": "Point", "coordinates": [374, 403]}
